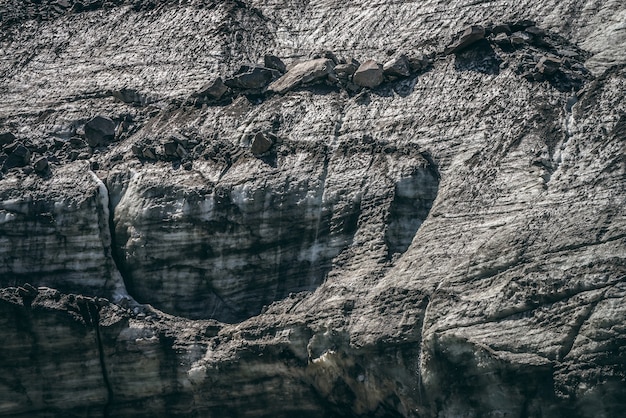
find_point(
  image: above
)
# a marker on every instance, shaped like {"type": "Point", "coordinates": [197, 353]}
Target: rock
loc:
{"type": "Point", "coordinates": [502, 28]}
{"type": "Point", "coordinates": [99, 131]}
{"type": "Point", "coordinates": [469, 36]}
{"type": "Point", "coordinates": [41, 166]}
{"type": "Point", "coordinates": [520, 38]}
{"type": "Point", "coordinates": [548, 65]}
{"type": "Point", "coordinates": [345, 71]}
{"type": "Point", "coordinates": [274, 63]}
{"type": "Point", "coordinates": [535, 31]}
{"type": "Point", "coordinates": [502, 39]}
{"type": "Point", "coordinates": [18, 156]}
{"type": "Point", "coordinates": [213, 90]}
{"type": "Point", "coordinates": [252, 78]}
{"type": "Point", "coordinates": [326, 54]}
{"type": "Point", "coordinates": [260, 144]}
{"type": "Point", "coordinates": [520, 25]}
{"type": "Point", "coordinates": [369, 74]}
{"type": "Point", "coordinates": [6, 138]}
{"type": "Point", "coordinates": [419, 62]}
{"type": "Point", "coordinates": [397, 67]}
{"type": "Point", "coordinates": [130, 96]}
{"type": "Point", "coordinates": [171, 148]}
{"type": "Point", "coordinates": [307, 72]}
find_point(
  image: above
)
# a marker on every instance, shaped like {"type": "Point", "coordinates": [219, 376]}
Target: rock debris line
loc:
{"type": "Point", "coordinates": [535, 55]}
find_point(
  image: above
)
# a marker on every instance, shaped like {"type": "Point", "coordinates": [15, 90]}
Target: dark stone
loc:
{"type": "Point", "coordinates": [502, 39]}
{"type": "Point", "coordinates": [274, 63]}
{"type": "Point", "coordinates": [6, 138]}
{"type": "Point", "coordinates": [213, 90]}
{"type": "Point", "coordinates": [345, 71]}
{"type": "Point", "coordinates": [260, 144]}
{"type": "Point", "coordinates": [130, 96]}
{"type": "Point", "coordinates": [41, 165]}
{"type": "Point", "coordinates": [149, 153]}
{"type": "Point", "coordinates": [170, 148]}
{"type": "Point", "coordinates": [548, 65]}
{"type": "Point", "coordinates": [397, 67]}
{"type": "Point", "coordinates": [520, 39]}
{"type": "Point", "coordinates": [326, 54]}
{"type": "Point", "coordinates": [535, 31]}
{"type": "Point", "coordinates": [503, 28]}
{"type": "Point", "coordinates": [99, 131]}
{"type": "Point", "coordinates": [520, 25]}
{"type": "Point", "coordinates": [188, 165]}
{"type": "Point", "coordinates": [369, 74]}
{"type": "Point", "coordinates": [469, 36]}
{"type": "Point", "coordinates": [19, 156]}
{"type": "Point", "coordinates": [253, 79]}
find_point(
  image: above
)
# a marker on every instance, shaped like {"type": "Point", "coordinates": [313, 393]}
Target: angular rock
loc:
{"type": "Point", "coordinates": [260, 144]}
{"type": "Point", "coordinates": [469, 36]}
{"type": "Point", "coordinates": [19, 156]}
{"type": "Point", "coordinates": [6, 138]}
{"type": "Point", "coordinates": [253, 78]}
{"type": "Point", "coordinates": [41, 165]}
{"type": "Point", "coordinates": [397, 67]}
{"type": "Point", "coordinates": [369, 74]}
{"type": "Point", "coordinates": [548, 65]}
{"type": "Point", "coordinates": [213, 90]}
{"type": "Point", "coordinates": [99, 131]}
{"type": "Point", "coordinates": [307, 72]}
{"type": "Point", "coordinates": [274, 63]}
{"type": "Point", "coordinates": [520, 39]}
{"type": "Point", "coordinates": [130, 96]}
{"type": "Point", "coordinates": [345, 71]}
{"type": "Point", "coordinates": [502, 28]}
{"type": "Point", "coordinates": [502, 39]}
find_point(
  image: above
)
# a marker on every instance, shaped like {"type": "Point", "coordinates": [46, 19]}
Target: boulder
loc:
{"type": "Point", "coordinates": [6, 138]}
{"type": "Point", "coordinates": [274, 63]}
{"type": "Point", "coordinates": [502, 28]}
{"type": "Point", "coordinates": [548, 65]}
{"type": "Point", "coordinates": [307, 72]}
{"type": "Point", "coordinates": [99, 130]}
{"type": "Point", "coordinates": [502, 39]}
{"type": "Point", "coordinates": [369, 74]}
{"type": "Point", "coordinates": [520, 38]}
{"type": "Point", "coordinates": [41, 165]}
{"type": "Point", "coordinates": [251, 78]}
{"type": "Point", "coordinates": [469, 36]}
{"type": "Point", "coordinates": [213, 90]}
{"type": "Point", "coordinates": [345, 71]}
{"type": "Point", "coordinates": [260, 144]}
{"type": "Point", "coordinates": [19, 156]}
{"type": "Point", "coordinates": [397, 67]}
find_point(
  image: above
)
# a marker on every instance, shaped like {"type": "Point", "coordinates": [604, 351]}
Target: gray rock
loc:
{"type": "Point", "coordinates": [251, 78]}
{"type": "Point", "coordinates": [213, 90]}
{"type": "Point", "coordinates": [260, 144]}
{"type": "Point", "coordinates": [275, 63]}
{"type": "Point", "coordinates": [345, 71]}
{"type": "Point", "coordinates": [502, 39]}
{"type": "Point", "coordinates": [307, 72]}
{"type": "Point", "coordinates": [502, 28]}
{"type": "Point", "coordinates": [520, 38]}
{"type": "Point", "coordinates": [369, 74]}
{"type": "Point", "coordinates": [18, 156]}
{"type": "Point", "coordinates": [99, 130]}
{"type": "Point", "coordinates": [41, 165]}
{"type": "Point", "coordinates": [469, 36]}
{"type": "Point", "coordinates": [6, 138]}
{"type": "Point", "coordinates": [397, 67]}
{"type": "Point", "coordinates": [548, 65]}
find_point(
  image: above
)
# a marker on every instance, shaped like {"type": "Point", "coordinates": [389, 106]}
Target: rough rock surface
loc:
{"type": "Point", "coordinates": [449, 244]}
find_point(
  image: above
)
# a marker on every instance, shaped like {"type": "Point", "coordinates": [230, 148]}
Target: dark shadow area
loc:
{"type": "Point", "coordinates": [479, 57]}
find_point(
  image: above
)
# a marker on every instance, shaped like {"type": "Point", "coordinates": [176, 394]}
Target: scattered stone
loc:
{"type": "Point", "coordinates": [188, 165]}
{"type": "Point", "coordinates": [6, 138]}
{"type": "Point", "coordinates": [502, 39]}
{"type": "Point", "coordinates": [41, 165]}
{"type": "Point", "coordinates": [252, 78]}
{"type": "Point", "coordinates": [213, 90]}
{"type": "Point", "coordinates": [503, 28]}
{"type": "Point", "coordinates": [19, 156]}
{"type": "Point", "coordinates": [535, 31]}
{"type": "Point", "coordinates": [548, 65]}
{"type": "Point", "coordinates": [520, 39]}
{"type": "Point", "coordinates": [369, 74]}
{"type": "Point", "coordinates": [274, 63]}
{"type": "Point", "coordinates": [260, 144]}
{"type": "Point", "coordinates": [307, 72]}
{"type": "Point", "coordinates": [345, 71]}
{"type": "Point", "coordinates": [130, 96]}
{"type": "Point", "coordinates": [520, 25]}
{"type": "Point", "coordinates": [77, 143]}
{"type": "Point", "coordinates": [149, 153]}
{"type": "Point", "coordinates": [469, 36]}
{"type": "Point", "coordinates": [99, 130]}
{"type": "Point", "coordinates": [397, 67]}
{"type": "Point", "coordinates": [419, 62]}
